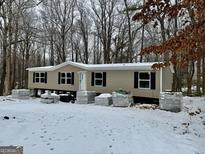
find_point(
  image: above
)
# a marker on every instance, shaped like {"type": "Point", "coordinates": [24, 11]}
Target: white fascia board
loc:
{"type": "Point", "coordinates": [96, 67]}
{"type": "Point", "coordinates": [40, 69]}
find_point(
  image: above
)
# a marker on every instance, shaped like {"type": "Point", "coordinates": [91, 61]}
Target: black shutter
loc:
{"type": "Point", "coordinates": [92, 79]}
{"type": "Point", "coordinates": [72, 79]}
{"type": "Point", "coordinates": [59, 78]}
{"type": "Point", "coordinates": [34, 76]}
{"type": "Point", "coordinates": [153, 80]}
{"type": "Point", "coordinates": [104, 79]}
{"type": "Point", "coordinates": [136, 80]}
{"type": "Point", "coordinates": [45, 77]}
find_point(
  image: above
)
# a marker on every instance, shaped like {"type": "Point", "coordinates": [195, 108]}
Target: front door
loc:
{"type": "Point", "coordinates": [82, 81]}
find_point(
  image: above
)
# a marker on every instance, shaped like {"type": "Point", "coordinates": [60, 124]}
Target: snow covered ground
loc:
{"type": "Point", "coordinates": [88, 129]}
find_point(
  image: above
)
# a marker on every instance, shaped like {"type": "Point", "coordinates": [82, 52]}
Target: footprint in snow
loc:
{"type": "Point", "coordinates": [65, 139]}
{"type": "Point", "coordinates": [110, 146]}
{"type": "Point", "coordinates": [41, 136]}
{"type": "Point", "coordinates": [33, 145]}
{"type": "Point", "coordinates": [48, 144]}
{"type": "Point", "coordinates": [45, 132]}
{"type": "Point", "coordinates": [20, 121]}
{"type": "Point", "coordinates": [51, 149]}
{"type": "Point", "coordinates": [58, 139]}
{"type": "Point", "coordinates": [70, 117]}
{"type": "Point", "coordinates": [26, 138]}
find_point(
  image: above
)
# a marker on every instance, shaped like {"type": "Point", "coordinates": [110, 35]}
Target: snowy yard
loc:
{"type": "Point", "coordinates": [89, 129]}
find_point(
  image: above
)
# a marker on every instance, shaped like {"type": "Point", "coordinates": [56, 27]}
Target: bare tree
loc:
{"type": "Point", "coordinates": [59, 15]}
{"type": "Point", "coordinates": [84, 23]}
{"type": "Point", "coordinates": [104, 15]}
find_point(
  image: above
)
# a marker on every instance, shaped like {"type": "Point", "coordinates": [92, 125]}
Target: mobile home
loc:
{"type": "Point", "coordinates": [138, 78]}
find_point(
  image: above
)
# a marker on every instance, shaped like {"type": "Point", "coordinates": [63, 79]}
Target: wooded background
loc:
{"type": "Point", "coordinates": [48, 32]}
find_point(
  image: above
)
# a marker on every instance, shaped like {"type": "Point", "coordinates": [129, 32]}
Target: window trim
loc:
{"type": "Point", "coordinates": [98, 79]}
{"type": "Point", "coordinates": [39, 77]}
{"type": "Point", "coordinates": [66, 78]}
{"type": "Point", "coordinates": [141, 80]}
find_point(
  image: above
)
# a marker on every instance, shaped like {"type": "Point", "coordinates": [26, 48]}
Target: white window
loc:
{"type": "Point", "coordinates": [66, 78]}
{"type": "Point", "coordinates": [98, 79]}
{"type": "Point", "coordinates": [144, 80]}
{"type": "Point", "coordinates": [40, 77]}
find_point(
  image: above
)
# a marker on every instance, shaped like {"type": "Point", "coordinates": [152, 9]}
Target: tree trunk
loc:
{"type": "Point", "coordinates": [51, 50]}
{"type": "Point", "coordinates": [142, 43]}
{"type": "Point", "coordinates": [4, 48]}
{"type": "Point", "coordinates": [198, 84]}
{"type": "Point", "coordinates": [189, 85]}
{"type": "Point", "coordinates": [44, 56]}
{"type": "Point", "coordinates": [203, 75]}
{"type": "Point", "coordinates": [130, 51]}
{"type": "Point", "coordinates": [177, 77]}
{"type": "Point", "coordinates": [27, 57]}
{"type": "Point", "coordinates": [163, 34]}
{"type": "Point", "coordinates": [13, 78]}
{"type": "Point", "coordinates": [8, 57]}
{"type": "Point", "coordinates": [191, 70]}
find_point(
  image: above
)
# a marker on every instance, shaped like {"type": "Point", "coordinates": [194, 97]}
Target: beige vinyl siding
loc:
{"type": "Point", "coordinates": [115, 80]}
{"type": "Point", "coordinates": [52, 80]}
{"type": "Point", "coordinates": [167, 79]}
{"type": "Point", "coordinates": [123, 80]}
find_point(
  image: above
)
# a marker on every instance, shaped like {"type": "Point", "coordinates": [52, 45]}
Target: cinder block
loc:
{"type": "Point", "coordinates": [171, 101]}
{"type": "Point", "coordinates": [103, 99]}
{"type": "Point", "coordinates": [11, 150]}
{"type": "Point", "coordinates": [121, 100]}
{"type": "Point", "coordinates": [85, 97]}
{"type": "Point", "coordinates": [21, 93]}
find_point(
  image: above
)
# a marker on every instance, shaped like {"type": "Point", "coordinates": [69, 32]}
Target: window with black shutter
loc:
{"type": "Point", "coordinates": [145, 80]}
{"type": "Point", "coordinates": [66, 78]}
{"type": "Point", "coordinates": [59, 78]}
{"type": "Point", "coordinates": [153, 80]}
{"type": "Point", "coordinates": [98, 79]}
{"type": "Point", "coordinates": [40, 77]}
{"type": "Point", "coordinates": [73, 78]}
{"type": "Point", "coordinates": [136, 80]}
{"type": "Point", "coordinates": [34, 77]}
{"type": "Point", "coordinates": [45, 77]}
{"type": "Point", "coordinates": [92, 78]}
{"type": "Point", "coordinates": [104, 79]}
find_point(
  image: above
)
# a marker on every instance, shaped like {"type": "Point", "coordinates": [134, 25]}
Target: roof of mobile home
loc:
{"type": "Point", "coordinates": [118, 66]}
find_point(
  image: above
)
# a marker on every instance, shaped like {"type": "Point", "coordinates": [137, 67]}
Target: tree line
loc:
{"type": "Point", "coordinates": [48, 32]}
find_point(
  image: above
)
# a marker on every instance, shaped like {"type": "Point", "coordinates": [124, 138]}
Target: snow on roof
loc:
{"type": "Point", "coordinates": [118, 66]}
{"type": "Point", "coordinates": [33, 69]}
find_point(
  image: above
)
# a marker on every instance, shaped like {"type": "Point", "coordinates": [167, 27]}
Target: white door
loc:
{"type": "Point", "coordinates": [82, 81]}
